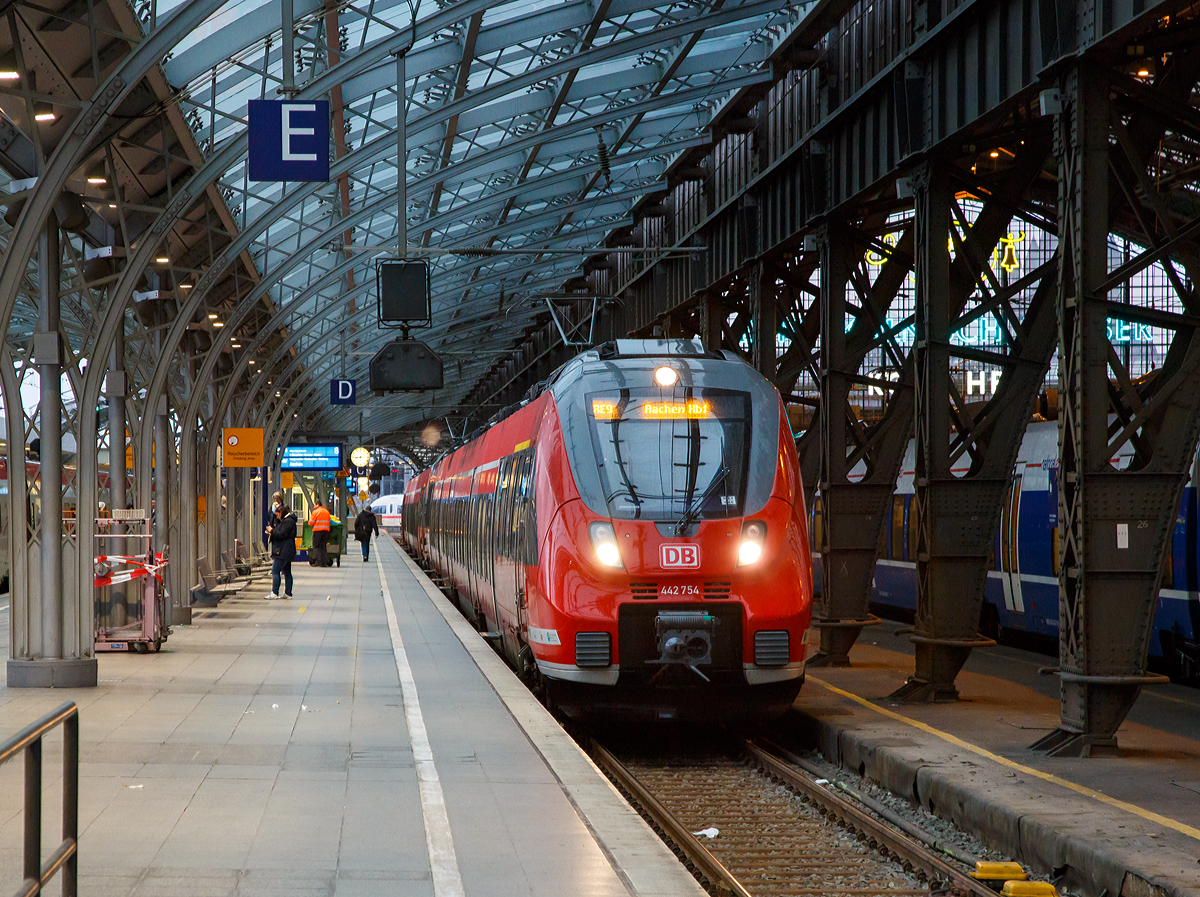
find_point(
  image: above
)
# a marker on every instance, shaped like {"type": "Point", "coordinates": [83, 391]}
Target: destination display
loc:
{"type": "Point", "coordinates": [312, 456]}
{"type": "Point", "coordinates": [705, 407]}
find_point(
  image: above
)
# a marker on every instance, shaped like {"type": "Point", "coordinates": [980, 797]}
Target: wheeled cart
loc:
{"type": "Point", "coordinates": [131, 598]}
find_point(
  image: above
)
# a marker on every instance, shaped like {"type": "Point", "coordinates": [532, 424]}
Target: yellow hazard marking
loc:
{"type": "Point", "coordinates": [301, 610]}
{"type": "Point", "coordinates": [1164, 821]}
{"type": "Point", "coordinates": [521, 445]}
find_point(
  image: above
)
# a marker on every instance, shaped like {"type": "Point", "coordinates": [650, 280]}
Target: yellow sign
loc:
{"type": "Point", "coordinates": [129, 456]}
{"type": "Point", "coordinates": [288, 481]}
{"type": "Point", "coordinates": [363, 495]}
{"type": "Point", "coordinates": [201, 508]}
{"type": "Point", "coordinates": [692, 409]}
{"type": "Point", "coordinates": [243, 447]}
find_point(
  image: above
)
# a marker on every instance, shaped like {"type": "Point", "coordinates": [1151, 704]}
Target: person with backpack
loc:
{"type": "Point", "coordinates": [282, 533]}
{"type": "Point", "coordinates": [364, 525]}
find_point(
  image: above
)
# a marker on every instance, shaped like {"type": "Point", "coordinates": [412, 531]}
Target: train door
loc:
{"type": "Point", "coordinates": [1010, 567]}
{"type": "Point", "coordinates": [518, 535]}
{"type": "Point", "coordinates": [487, 590]}
{"type": "Point", "coordinates": [502, 573]}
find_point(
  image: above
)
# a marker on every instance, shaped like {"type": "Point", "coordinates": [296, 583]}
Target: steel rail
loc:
{"type": "Point", "coordinates": [707, 864]}
{"type": "Point", "coordinates": [36, 874]}
{"type": "Point", "coordinates": [903, 846]}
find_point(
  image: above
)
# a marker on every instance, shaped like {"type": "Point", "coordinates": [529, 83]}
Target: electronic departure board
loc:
{"type": "Point", "coordinates": [312, 456]}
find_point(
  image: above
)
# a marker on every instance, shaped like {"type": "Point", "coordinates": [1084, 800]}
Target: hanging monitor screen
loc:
{"type": "Point", "coordinates": [403, 292]}
{"type": "Point", "coordinates": [312, 456]}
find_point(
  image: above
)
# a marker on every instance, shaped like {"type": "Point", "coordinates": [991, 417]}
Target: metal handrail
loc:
{"type": "Point", "coordinates": [65, 857]}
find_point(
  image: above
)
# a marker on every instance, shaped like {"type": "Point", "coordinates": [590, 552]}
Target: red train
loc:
{"type": "Point", "coordinates": [633, 537]}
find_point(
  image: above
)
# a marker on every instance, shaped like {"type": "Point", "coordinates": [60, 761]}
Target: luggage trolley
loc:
{"type": "Point", "coordinates": [131, 599]}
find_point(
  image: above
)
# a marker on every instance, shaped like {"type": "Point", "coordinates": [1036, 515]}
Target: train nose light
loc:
{"type": "Point", "coordinates": [754, 533]}
{"type": "Point", "coordinates": [604, 540]}
{"type": "Point", "coordinates": [666, 376]}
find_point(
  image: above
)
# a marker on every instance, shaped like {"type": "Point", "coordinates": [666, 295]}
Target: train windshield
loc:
{"type": "Point", "coordinates": [680, 457]}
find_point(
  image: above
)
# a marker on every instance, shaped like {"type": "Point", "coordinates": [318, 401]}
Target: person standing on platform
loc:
{"type": "Point", "coordinates": [282, 533]}
{"type": "Point", "coordinates": [320, 522]}
{"type": "Point", "coordinates": [364, 525]}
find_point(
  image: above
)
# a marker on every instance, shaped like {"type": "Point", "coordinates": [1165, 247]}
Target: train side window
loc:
{"type": "Point", "coordinates": [912, 527]}
{"type": "Point", "coordinates": [897, 547]}
{"type": "Point", "coordinates": [531, 536]}
{"type": "Point", "coordinates": [504, 518]}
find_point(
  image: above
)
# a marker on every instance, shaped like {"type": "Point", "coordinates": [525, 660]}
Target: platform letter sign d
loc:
{"type": "Point", "coordinates": [289, 141]}
{"type": "Point", "coordinates": [677, 555]}
{"type": "Point", "coordinates": [342, 392]}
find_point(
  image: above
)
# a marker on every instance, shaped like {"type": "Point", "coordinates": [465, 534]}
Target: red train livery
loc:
{"type": "Point", "coordinates": [633, 537]}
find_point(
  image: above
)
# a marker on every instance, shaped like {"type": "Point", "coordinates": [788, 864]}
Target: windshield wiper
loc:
{"type": "Point", "coordinates": [692, 512]}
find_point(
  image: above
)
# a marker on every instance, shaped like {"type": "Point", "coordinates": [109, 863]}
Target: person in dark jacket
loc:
{"type": "Point", "coordinates": [282, 533]}
{"type": "Point", "coordinates": [364, 525]}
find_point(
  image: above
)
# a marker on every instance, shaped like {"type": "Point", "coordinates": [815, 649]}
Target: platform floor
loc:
{"type": "Point", "coordinates": [270, 749]}
{"type": "Point", "coordinates": [1107, 822]}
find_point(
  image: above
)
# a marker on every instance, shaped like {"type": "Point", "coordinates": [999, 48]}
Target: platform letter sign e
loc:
{"type": "Point", "coordinates": [289, 140]}
{"type": "Point", "coordinates": [677, 555]}
{"type": "Point", "coordinates": [342, 392]}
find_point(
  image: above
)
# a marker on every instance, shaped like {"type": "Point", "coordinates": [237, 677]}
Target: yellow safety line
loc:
{"type": "Point", "coordinates": [1180, 827]}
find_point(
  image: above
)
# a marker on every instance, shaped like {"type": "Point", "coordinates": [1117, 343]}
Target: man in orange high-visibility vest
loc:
{"type": "Point", "coordinates": [320, 521]}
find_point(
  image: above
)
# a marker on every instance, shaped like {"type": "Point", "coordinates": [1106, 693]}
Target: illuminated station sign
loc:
{"type": "Point", "coordinates": [311, 456]}
{"type": "Point", "coordinates": [667, 409]}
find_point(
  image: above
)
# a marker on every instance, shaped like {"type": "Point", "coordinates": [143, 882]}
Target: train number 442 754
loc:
{"type": "Point", "coordinates": [679, 590]}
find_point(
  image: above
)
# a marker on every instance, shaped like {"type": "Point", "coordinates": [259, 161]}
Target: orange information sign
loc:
{"type": "Point", "coordinates": [242, 447]}
{"type": "Point", "coordinates": [288, 481]}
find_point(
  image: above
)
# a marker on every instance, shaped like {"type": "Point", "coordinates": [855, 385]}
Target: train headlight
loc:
{"type": "Point", "coordinates": [754, 533]}
{"type": "Point", "coordinates": [665, 376]}
{"type": "Point", "coordinates": [604, 540]}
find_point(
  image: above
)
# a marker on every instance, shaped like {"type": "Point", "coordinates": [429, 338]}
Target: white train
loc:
{"type": "Point", "coordinates": [387, 510]}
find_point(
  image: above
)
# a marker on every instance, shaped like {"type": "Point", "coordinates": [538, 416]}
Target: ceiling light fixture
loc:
{"type": "Point", "coordinates": [994, 154]}
{"type": "Point", "coordinates": [212, 317]}
{"type": "Point", "coordinates": [97, 180]}
{"type": "Point", "coordinates": [10, 75]}
{"type": "Point", "coordinates": [44, 115]}
{"type": "Point", "coordinates": [218, 324]}
{"type": "Point", "coordinates": [162, 260]}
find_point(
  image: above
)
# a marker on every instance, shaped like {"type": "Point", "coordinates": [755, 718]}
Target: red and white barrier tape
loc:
{"type": "Point", "coordinates": [137, 562]}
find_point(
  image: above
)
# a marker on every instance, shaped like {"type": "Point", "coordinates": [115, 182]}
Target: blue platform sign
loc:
{"type": "Point", "coordinates": [289, 140]}
{"type": "Point", "coordinates": [342, 392]}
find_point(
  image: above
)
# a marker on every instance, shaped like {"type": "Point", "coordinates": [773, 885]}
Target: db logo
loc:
{"type": "Point", "coordinates": [679, 555]}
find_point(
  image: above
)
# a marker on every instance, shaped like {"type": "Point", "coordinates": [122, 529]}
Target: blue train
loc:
{"type": "Point", "coordinates": [1021, 595]}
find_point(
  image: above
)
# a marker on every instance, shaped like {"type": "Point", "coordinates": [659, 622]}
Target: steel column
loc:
{"type": "Point", "coordinates": [764, 313]}
{"type": "Point", "coordinates": [1115, 525]}
{"type": "Point", "coordinates": [162, 483]}
{"type": "Point", "coordinates": [57, 653]}
{"type": "Point", "coordinates": [951, 530]}
{"type": "Point", "coordinates": [117, 468]}
{"type": "Point", "coordinates": [48, 351]}
{"type": "Point", "coordinates": [850, 511]}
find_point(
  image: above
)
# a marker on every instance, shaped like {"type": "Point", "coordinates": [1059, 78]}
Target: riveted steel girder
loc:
{"type": "Point", "coordinates": [1115, 520]}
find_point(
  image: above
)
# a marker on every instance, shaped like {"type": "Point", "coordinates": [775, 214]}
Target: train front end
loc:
{"type": "Point", "coordinates": [676, 581]}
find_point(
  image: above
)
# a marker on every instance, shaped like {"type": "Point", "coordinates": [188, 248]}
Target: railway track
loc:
{"type": "Point", "coordinates": [779, 831]}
